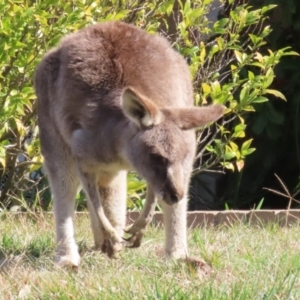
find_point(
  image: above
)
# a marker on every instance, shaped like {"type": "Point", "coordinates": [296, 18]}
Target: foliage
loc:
{"type": "Point", "coordinates": [28, 30]}
{"type": "Point", "coordinates": [225, 59]}
{"type": "Point", "coordinates": [232, 71]}
{"type": "Point", "coordinates": [275, 125]}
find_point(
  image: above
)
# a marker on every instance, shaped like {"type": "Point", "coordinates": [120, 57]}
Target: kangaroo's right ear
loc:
{"type": "Point", "coordinates": [139, 109]}
{"type": "Point", "coordinates": [193, 117]}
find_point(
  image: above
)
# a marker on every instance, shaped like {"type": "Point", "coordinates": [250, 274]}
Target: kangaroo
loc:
{"type": "Point", "coordinates": [113, 98]}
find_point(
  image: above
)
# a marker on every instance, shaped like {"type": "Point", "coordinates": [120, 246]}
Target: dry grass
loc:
{"type": "Point", "coordinates": [247, 263]}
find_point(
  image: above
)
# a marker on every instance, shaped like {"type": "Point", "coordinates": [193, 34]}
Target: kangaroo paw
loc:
{"type": "Point", "coordinates": [135, 240]}
{"type": "Point", "coordinates": [112, 247]}
{"type": "Point", "coordinates": [137, 231]}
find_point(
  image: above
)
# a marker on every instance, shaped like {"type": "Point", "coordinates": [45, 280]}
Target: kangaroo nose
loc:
{"type": "Point", "coordinates": [174, 197]}
{"type": "Point", "coordinates": [173, 192]}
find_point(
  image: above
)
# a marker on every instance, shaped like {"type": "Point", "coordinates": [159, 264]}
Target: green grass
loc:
{"type": "Point", "coordinates": [247, 263]}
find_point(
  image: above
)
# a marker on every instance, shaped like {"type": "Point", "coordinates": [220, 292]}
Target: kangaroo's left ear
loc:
{"type": "Point", "coordinates": [193, 117]}
{"type": "Point", "coordinates": [141, 110]}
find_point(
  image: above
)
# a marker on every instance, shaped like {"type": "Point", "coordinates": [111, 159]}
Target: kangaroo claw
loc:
{"type": "Point", "coordinates": [135, 240]}
{"type": "Point", "coordinates": [112, 247]}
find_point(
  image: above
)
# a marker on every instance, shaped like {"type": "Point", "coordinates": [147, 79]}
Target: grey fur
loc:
{"type": "Point", "coordinates": [112, 98]}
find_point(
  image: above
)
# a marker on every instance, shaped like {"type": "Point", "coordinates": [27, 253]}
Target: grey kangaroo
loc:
{"type": "Point", "coordinates": [112, 98]}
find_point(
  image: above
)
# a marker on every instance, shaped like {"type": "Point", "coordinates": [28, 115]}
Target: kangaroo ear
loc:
{"type": "Point", "coordinates": [140, 109]}
{"type": "Point", "coordinates": [193, 117]}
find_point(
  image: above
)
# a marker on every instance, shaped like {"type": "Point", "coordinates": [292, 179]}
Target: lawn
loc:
{"type": "Point", "coordinates": [247, 262]}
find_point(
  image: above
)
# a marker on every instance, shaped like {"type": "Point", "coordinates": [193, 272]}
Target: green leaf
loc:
{"type": "Point", "coordinates": [206, 88]}
{"type": "Point", "coordinates": [251, 75]}
{"type": "Point", "coordinates": [248, 108]}
{"type": "Point", "coordinates": [254, 38]}
{"type": "Point", "coordinates": [233, 146]}
{"type": "Point", "coordinates": [229, 154]}
{"type": "Point", "coordinates": [187, 6]}
{"type": "Point", "coordinates": [169, 7]}
{"type": "Point", "coordinates": [136, 185]}
{"type": "Point", "coordinates": [247, 151]}
{"type": "Point", "coordinates": [122, 14]}
{"type": "Point", "coordinates": [268, 79]}
{"type": "Point", "coordinates": [238, 56]}
{"type": "Point", "coordinates": [267, 8]}
{"type": "Point", "coordinates": [210, 148]}
{"type": "Point", "coordinates": [19, 45]}
{"type": "Point", "coordinates": [3, 161]}
{"type": "Point", "coordinates": [246, 145]}
{"type": "Point", "coordinates": [260, 204]}
{"type": "Point", "coordinates": [257, 64]}
{"type": "Point", "coordinates": [259, 99]}
{"type": "Point", "coordinates": [202, 54]}
{"type": "Point", "coordinates": [213, 50]}
{"type": "Point", "coordinates": [198, 12]}
{"type": "Point", "coordinates": [239, 134]}
{"type": "Point", "coordinates": [239, 131]}
{"type": "Point", "coordinates": [276, 93]}
{"type": "Point", "coordinates": [228, 165]}
{"type": "Point", "coordinates": [244, 94]}
{"type": "Point", "coordinates": [221, 23]}
{"type": "Point", "coordinates": [290, 53]}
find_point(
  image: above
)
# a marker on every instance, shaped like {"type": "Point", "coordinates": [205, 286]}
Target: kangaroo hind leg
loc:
{"type": "Point", "coordinates": [64, 182]}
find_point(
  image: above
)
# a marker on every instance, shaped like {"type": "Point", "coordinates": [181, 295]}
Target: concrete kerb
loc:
{"type": "Point", "coordinates": [288, 217]}
{"type": "Point", "coordinates": [231, 217]}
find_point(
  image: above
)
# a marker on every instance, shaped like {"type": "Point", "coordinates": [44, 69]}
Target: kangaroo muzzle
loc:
{"type": "Point", "coordinates": [173, 190]}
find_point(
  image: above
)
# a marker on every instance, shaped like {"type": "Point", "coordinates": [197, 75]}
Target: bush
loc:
{"type": "Point", "coordinates": [275, 125]}
{"type": "Point", "coordinates": [227, 59]}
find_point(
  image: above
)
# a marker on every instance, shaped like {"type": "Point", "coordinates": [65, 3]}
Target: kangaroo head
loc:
{"type": "Point", "coordinates": [163, 145]}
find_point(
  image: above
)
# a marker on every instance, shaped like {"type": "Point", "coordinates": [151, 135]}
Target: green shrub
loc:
{"type": "Point", "coordinates": [275, 127]}
{"type": "Point", "coordinates": [231, 68]}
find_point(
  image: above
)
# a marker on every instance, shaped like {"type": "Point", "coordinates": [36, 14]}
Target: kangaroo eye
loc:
{"type": "Point", "coordinates": [158, 159]}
